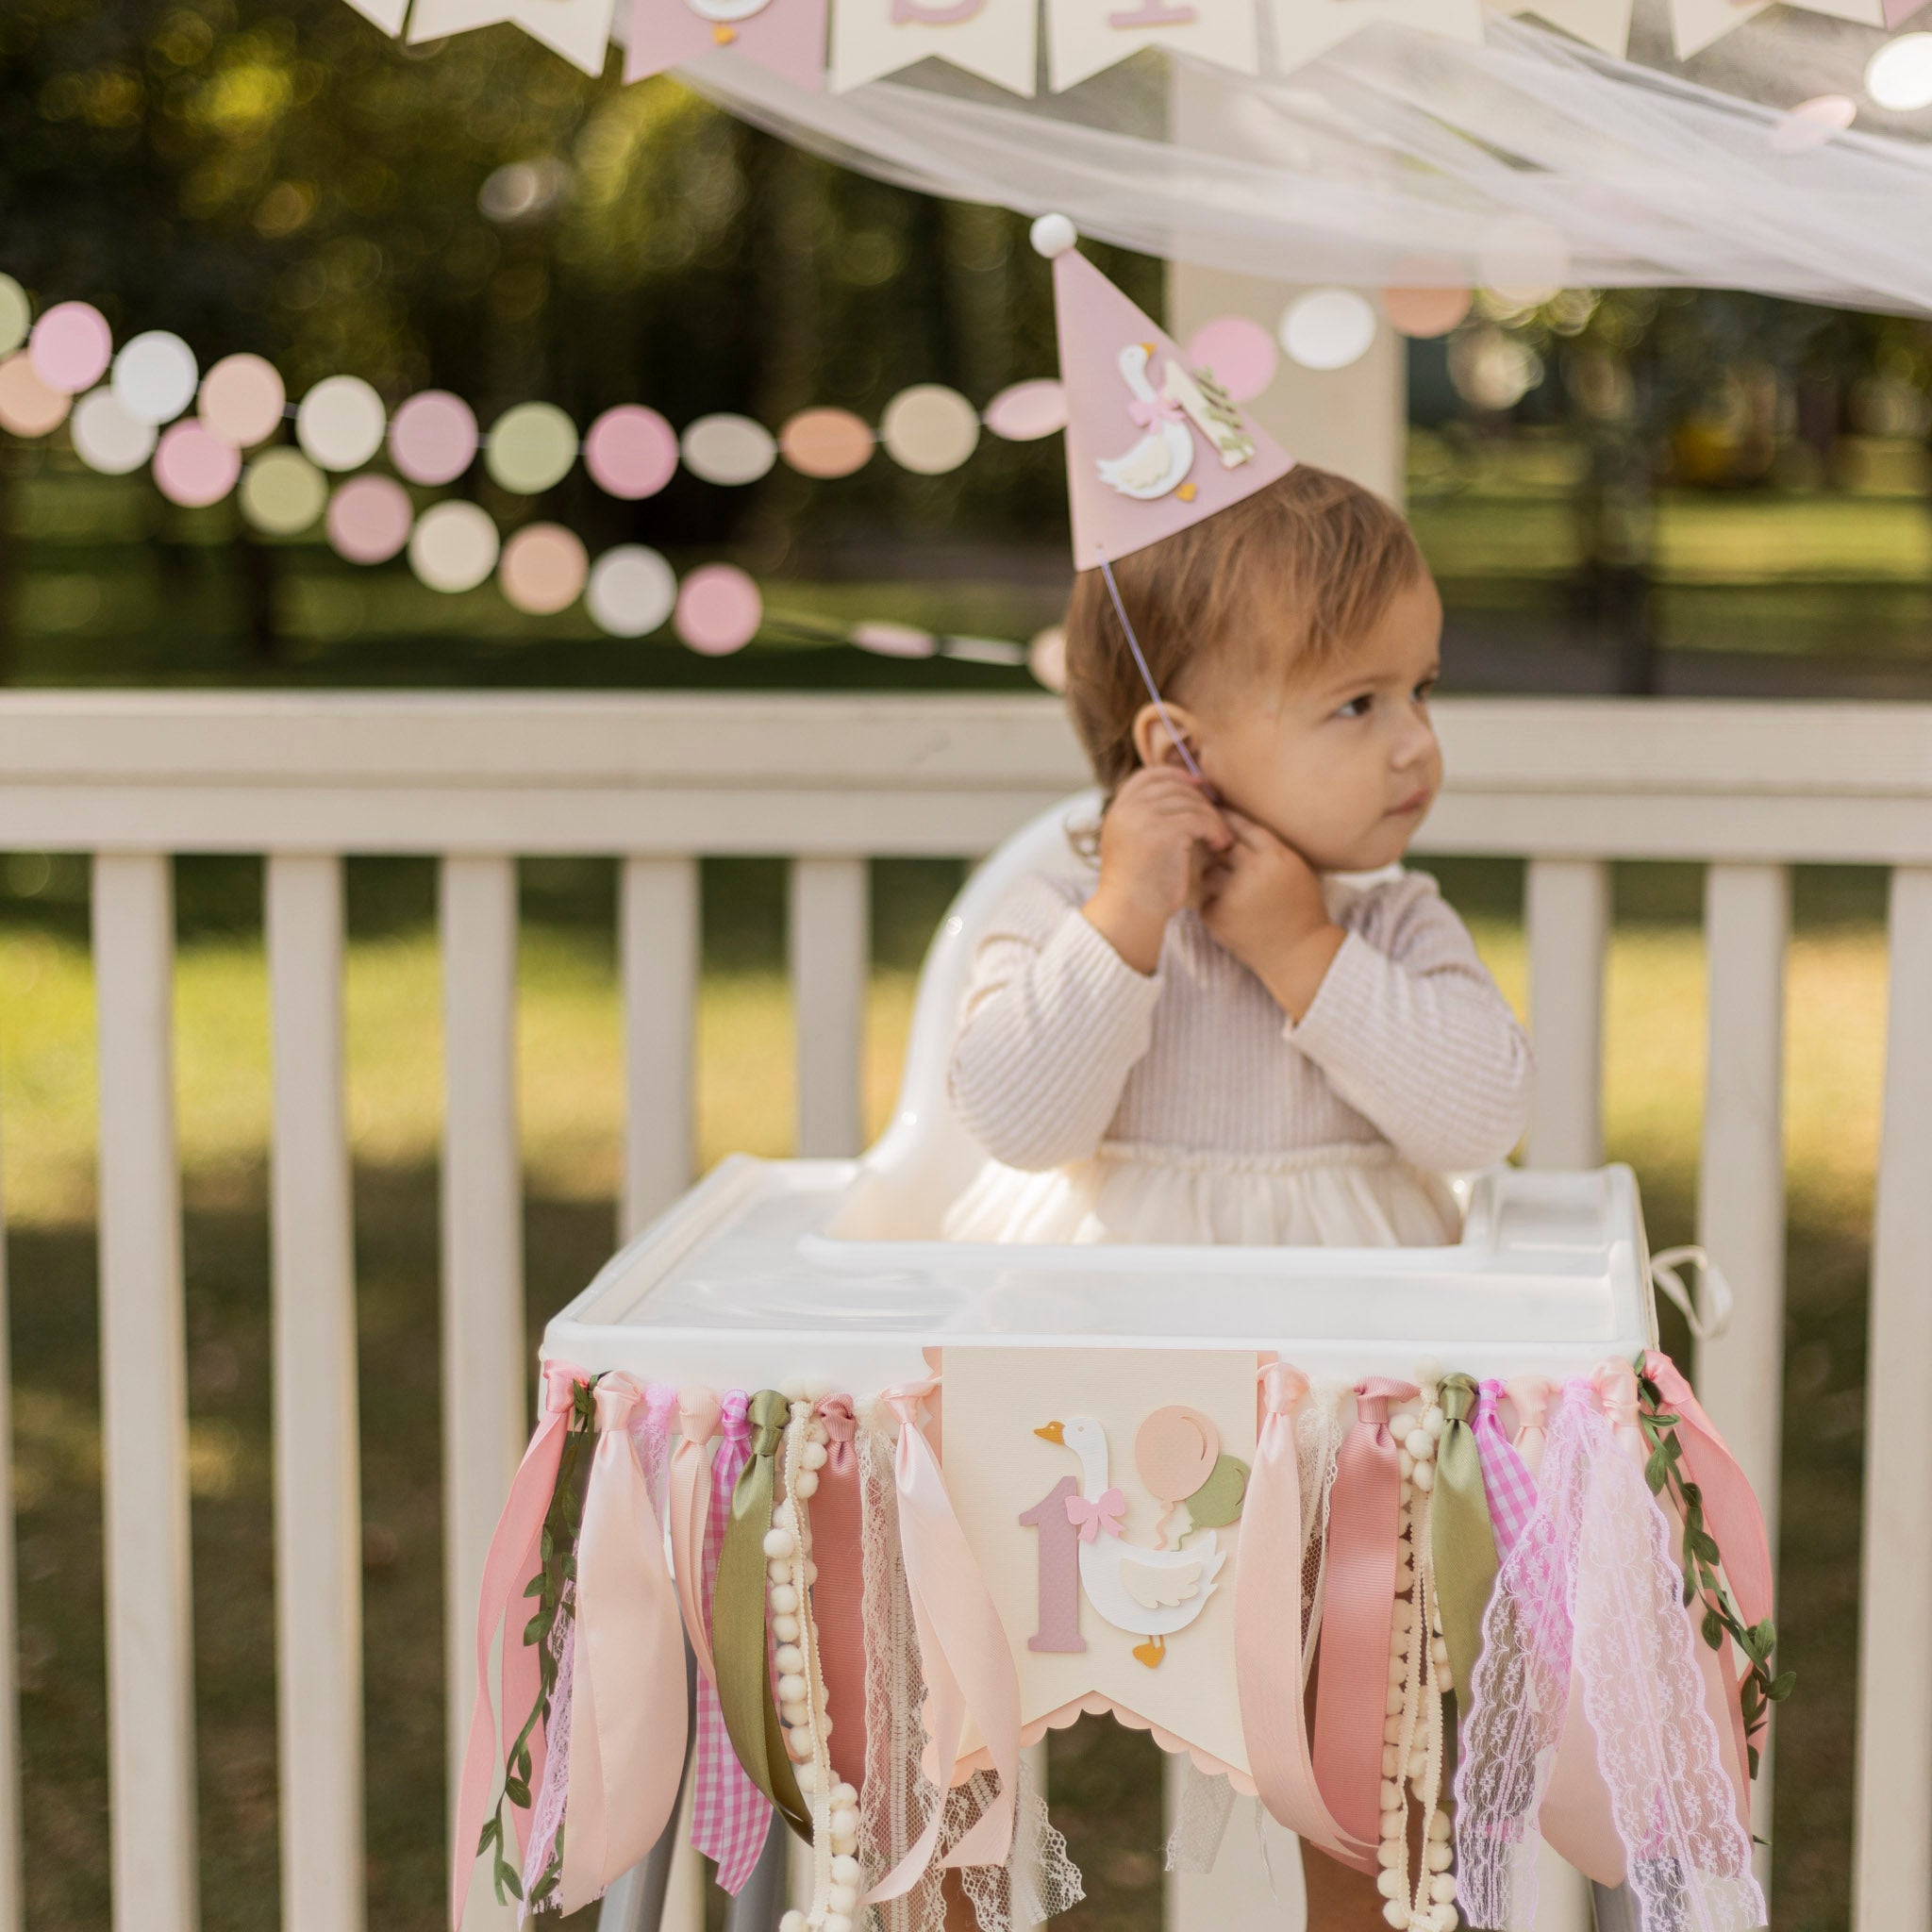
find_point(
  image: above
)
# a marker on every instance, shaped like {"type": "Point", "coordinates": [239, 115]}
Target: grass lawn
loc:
{"type": "Point", "coordinates": [1104, 1794]}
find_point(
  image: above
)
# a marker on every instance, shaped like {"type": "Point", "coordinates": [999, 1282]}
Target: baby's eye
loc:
{"type": "Point", "coordinates": [1358, 707]}
{"type": "Point", "coordinates": [1424, 688]}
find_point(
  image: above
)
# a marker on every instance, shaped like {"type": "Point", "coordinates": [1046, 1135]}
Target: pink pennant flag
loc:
{"type": "Point", "coordinates": [1154, 442]}
{"type": "Point", "coordinates": [787, 36]}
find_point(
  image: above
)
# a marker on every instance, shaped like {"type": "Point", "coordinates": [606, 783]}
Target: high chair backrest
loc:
{"type": "Point", "coordinates": [925, 1158]}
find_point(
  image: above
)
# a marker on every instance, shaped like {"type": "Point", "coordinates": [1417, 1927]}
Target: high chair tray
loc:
{"type": "Point", "coordinates": [743, 1282]}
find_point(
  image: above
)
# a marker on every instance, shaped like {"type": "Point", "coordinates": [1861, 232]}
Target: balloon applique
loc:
{"type": "Point", "coordinates": [1177, 1453]}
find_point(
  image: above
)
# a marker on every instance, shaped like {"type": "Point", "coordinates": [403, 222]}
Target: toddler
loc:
{"type": "Point", "coordinates": [1246, 1022]}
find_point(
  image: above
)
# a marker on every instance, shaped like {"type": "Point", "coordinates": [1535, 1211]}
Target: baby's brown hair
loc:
{"type": "Point", "coordinates": [1333, 552]}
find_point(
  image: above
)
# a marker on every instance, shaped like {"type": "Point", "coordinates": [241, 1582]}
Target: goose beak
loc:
{"type": "Point", "coordinates": [1053, 1432]}
{"type": "Point", "coordinates": [1147, 348]}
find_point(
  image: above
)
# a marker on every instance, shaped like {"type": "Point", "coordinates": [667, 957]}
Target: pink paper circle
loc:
{"type": "Point", "coordinates": [717, 610]}
{"type": "Point", "coordinates": [432, 438]}
{"type": "Point", "coordinates": [241, 400]}
{"type": "Point", "coordinates": [888, 640]}
{"type": "Point", "coordinates": [191, 467]}
{"type": "Point", "coordinates": [631, 452]}
{"type": "Point", "coordinates": [544, 569]}
{"type": "Point", "coordinates": [1028, 410]}
{"type": "Point", "coordinates": [72, 346]}
{"type": "Point", "coordinates": [29, 407]}
{"type": "Point", "coordinates": [1812, 122]}
{"type": "Point", "coordinates": [369, 519]}
{"type": "Point", "coordinates": [1239, 353]}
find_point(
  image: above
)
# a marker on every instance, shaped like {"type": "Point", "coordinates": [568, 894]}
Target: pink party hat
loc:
{"type": "Point", "coordinates": [1153, 441]}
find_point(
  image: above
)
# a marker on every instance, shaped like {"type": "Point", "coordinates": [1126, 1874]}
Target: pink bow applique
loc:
{"type": "Point", "coordinates": [1103, 1513]}
{"type": "Point", "coordinates": [1148, 411]}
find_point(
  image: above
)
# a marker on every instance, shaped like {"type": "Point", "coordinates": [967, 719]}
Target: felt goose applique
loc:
{"type": "Point", "coordinates": [1159, 462]}
{"type": "Point", "coordinates": [1150, 1594]}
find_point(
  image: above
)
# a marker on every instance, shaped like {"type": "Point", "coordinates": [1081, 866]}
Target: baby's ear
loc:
{"type": "Point", "coordinates": [1153, 740]}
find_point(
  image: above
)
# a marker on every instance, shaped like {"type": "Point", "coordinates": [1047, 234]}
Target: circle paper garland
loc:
{"type": "Point", "coordinates": [717, 610]}
{"type": "Point", "coordinates": [29, 406]}
{"type": "Point", "coordinates": [1329, 328]}
{"type": "Point", "coordinates": [727, 449]}
{"type": "Point", "coordinates": [631, 591]}
{"type": "Point", "coordinates": [432, 438]}
{"type": "Point", "coordinates": [242, 398]}
{"type": "Point", "coordinates": [1241, 352]}
{"type": "Point", "coordinates": [929, 428]}
{"type": "Point", "coordinates": [631, 452]}
{"type": "Point", "coordinates": [16, 315]}
{"type": "Point", "coordinates": [1899, 75]}
{"type": "Point", "coordinates": [341, 423]}
{"type": "Point", "coordinates": [544, 569]}
{"type": "Point", "coordinates": [532, 448]}
{"type": "Point", "coordinates": [454, 546]}
{"type": "Point", "coordinates": [192, 468]}
{"type": "Point", "coordinates": [369, 519]}
{"type": "Point", "coordinates": [283, 492]}
{"type": "Point", "coordinates": [106, 438]}
{"type": "Point", "coordinates": [72, 345]}
{"type": "Point", "coordinates": [155, 376]}
{"type": "Point", "coordinates": [826, 443]}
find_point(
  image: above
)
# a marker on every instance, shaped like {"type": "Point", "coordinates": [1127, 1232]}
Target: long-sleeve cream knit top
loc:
{"type": "Point", "coordinates": [1062, 1046]}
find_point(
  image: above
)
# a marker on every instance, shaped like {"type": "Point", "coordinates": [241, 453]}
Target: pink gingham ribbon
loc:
{"type": "Point", "coordinates": [729, 1815]}
{"type": "Point", "coordinates": [1506, 1480]}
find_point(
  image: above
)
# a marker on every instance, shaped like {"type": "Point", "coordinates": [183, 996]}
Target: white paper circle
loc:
{"type": "Point", "coordinates": [631, 591]}
{"type": "Point", "coordinates": [729, 449]}
{"type": "Point", "coordinates": [929, 428]}
{"type": "Point", "coordinates": [155, 377]}
{"type": "Point", "coordinates": [454, 546]}
{"type": "Point", "coordinates": [1899, 75]}
{"type": "Point", "coordinates": [106, 438]}
{"type": "Point", "coordinates": [1329, 328]}
{"type": "Point", "coordinates": [341, 423]}
{"type": "Point", "coordinates": [532, 448]}
{"type": "Point", "coordinates": [283, 492]}
{"type": "Point", "coordinates": [16, 315]}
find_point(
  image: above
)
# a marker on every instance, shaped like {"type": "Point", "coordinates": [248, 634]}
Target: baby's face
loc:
{"type": "Point", "coordinates": [1342, 764]}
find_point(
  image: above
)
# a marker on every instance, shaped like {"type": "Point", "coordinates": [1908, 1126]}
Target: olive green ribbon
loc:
{"type": "Point", "coordinates": [1462, 1537]}
{"type": "Point", "coordinates": [738, 1620]}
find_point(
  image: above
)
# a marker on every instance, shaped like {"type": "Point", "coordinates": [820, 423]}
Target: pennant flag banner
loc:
{"type": "Point", "coordinates": [1085, 36]}
{"type": "Point", "coordinates": [578, 30]}
{"type": "Point", "coordinates": [787, 36]}
{"type": "Point", "coordinates": [997, 40]}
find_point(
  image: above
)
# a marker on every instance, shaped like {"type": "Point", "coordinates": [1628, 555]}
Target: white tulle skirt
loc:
{"type": "Point", "coordinates": [1354, 1194]}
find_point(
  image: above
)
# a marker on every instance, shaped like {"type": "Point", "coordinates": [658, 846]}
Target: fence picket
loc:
{"type": "Point", "coordinates": [484, 1409]}
{"type": "Point", "coordinates": [1891, 1875]}
{"type": "Point", "coordinates": [830, 957]}
{"type": "Point", "coordinates": [318, 1499]}
{"type": "Point", "coordinates": [1567, 912]}
{"type": "Point", "coordinates": [143, 1403]}
{"type": "Point", "coordinates": [658, 946]}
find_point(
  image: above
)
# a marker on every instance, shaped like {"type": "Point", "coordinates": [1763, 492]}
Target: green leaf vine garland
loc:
{"type": "Point", "coordinates": [1703, 1564]}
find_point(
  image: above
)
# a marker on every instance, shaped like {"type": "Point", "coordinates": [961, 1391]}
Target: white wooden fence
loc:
{"type": "Point", "coordinates": [132, 779]}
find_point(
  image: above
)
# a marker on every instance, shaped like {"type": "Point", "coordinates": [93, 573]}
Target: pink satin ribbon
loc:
{"type": "Point", "coordinates": [963, 1652]}
{"type": "Point", "coordinates": [1103, 1513]}
{"type": "Point", "coordinates": [1359, 1610]}
{"type": "Point", "coordinates": [627, 1702]}
{"type": "Point", "coordinates": [698, 1410]}
{"type": "Point", "coordinates": [729, 1815]}
{"type": "Point", "coordinates": [1531, 1396]}
{"type": "Point", "coordinates": [510, 1564]}
{"type": "Point", "coordinates": [1267, 1630]}
{"type": "Point", "coordinates": [1733, 1517]}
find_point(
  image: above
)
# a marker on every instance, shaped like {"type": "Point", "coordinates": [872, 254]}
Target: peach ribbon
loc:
{"type": "Point", "coordinates": [964, 1653]}
{"type": "Point", "coordinates": [1531, 1396]}
{"type": "Point", "coordinates": [1359, 1610]}
{"type": "Point", "coordinates": [1267, 1629]}
{"type": "Point", "coordinates": [628, 1721]}
{"type": "Point", "coordinates": [508, 1565]}
{"type": "Point", "coordinates": [698, 1410]}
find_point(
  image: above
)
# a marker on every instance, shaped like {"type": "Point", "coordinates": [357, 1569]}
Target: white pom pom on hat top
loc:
{"type": "Point", "coordinates": [1054, 234]}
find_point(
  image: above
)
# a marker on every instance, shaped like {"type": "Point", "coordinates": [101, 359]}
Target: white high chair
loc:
{"type": "Point", "coordinates": [833, 1271]}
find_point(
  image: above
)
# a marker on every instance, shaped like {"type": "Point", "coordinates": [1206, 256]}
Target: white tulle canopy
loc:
{"type": "Point", "coordinates": [1408, 158]}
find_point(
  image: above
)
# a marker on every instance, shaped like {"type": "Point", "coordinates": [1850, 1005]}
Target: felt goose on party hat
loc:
{"type": "Point", "coordinates": [1150, 1594]}
{"type": "Point", "coordinates": [1165, 454]}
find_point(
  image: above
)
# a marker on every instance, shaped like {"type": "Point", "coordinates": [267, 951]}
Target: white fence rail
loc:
{"type": "Point", "coordinates": [133, 779]}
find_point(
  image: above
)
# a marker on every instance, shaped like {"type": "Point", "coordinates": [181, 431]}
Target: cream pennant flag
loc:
{"type": "Point", "coordinates": [1085, 36]}
{"type": "Point", "coordinates": [1695, 24]}
{"type": "Point", "coordinates": [1304, 29]}
{"type": "Point", "coordinates": [387, 14]}
{"type": "Point", "coordinates": [578, 30]}
{"type": "Point", "coordinates": [1603, 25]}
{"type": "Point", "coordinates": [994, 39]}
{"type": "Point", "coordinates": [1879, 14]}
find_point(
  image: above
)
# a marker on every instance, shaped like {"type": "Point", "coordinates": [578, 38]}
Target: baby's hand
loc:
{"type": "Point", "coordinates": [1151, 860]}
{"type": "Point", "coordinates": [1264, 903]}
